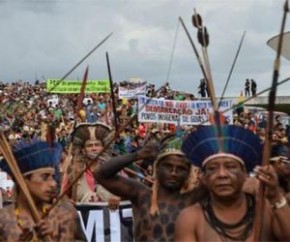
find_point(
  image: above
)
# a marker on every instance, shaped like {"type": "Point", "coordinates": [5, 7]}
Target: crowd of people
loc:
{"type": "Point", "coordinates": [202, 176]}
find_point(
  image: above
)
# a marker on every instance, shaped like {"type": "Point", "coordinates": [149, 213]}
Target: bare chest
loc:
{"type": "Point", "coordinates": [158, 227]}
{"type": "Point", "coordinates": [213, 232]}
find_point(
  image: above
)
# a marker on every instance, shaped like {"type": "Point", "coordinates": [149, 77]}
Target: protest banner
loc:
{"type": "Point", "coordinates": [180, 112]}
{"type": "Point", "coordinates": [53, 101]}
{"type": "Point", "coordinates": [74, 86]}
{"type": "Point", "coordinates": [100, 224]}
{"type": "Point", "coordinates": [129, 93]}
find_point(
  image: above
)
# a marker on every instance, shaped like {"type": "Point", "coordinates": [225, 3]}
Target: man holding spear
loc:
{"type": "Point", "coordinates": [35, 162]}
{"type": "Point", "coordinates": [88, 141]}
{"type": "Point", "coordinates": [228, 213]}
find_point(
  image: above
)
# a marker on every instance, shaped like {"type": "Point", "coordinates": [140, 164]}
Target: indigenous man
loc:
{"type": "Point", "coordinates": [88, 141]}
{"type": "Point", "coordinates": [226, 154]}
{"type": "Point", "coordinates": [37, 161]}
{"type": "Point", "coordinates": [154, 211]}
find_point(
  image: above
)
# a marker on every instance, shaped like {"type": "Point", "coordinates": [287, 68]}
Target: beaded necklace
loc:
{"type": "Point", "coordinates": [223, 228]}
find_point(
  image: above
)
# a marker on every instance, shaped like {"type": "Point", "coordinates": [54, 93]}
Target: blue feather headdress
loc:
{"type": "Point", "coordinates": [34, 155]}
{"type": "Point", "coordinates": [233, 141]}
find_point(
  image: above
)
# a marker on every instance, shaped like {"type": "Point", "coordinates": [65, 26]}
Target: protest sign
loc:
{"type": "Point", "coordinates": [180, 112]}
{"type": "Point", "coordinates": [130, 93]}
{"type": "Point", "coordinates": [100, 224]}
{"type": "Point", "coordinates": [74, 86]}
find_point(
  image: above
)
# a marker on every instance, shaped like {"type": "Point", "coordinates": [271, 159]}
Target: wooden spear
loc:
{"type": "Point", "coordinates": [116, 123]}
{"type": "Point", "coordinates": [260, 203]}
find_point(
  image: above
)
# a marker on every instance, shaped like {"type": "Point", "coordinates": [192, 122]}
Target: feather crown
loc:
{"type": "Point", "coordinates": [33, 155]}
{"type": "Point", "coordinates": [172, 148]}
{"type": "Point", "coordinates": [92, 131]}
{"type": "Point", "coordinates": [234, 141]}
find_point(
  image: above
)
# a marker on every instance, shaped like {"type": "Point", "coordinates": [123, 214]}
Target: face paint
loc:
{"type": "Point", "coordinates": [172, 172]}
{"type": "Point", "coordinates": [231, 167]}
{"type": "Point", "coordinates": [224, 176]}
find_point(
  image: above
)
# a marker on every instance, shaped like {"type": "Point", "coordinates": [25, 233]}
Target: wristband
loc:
{"type": "Point", "coordinates": [282, 203]}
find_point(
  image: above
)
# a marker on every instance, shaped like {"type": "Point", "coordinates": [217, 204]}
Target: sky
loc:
{"type": "Point", "coordinates": [43, 39]}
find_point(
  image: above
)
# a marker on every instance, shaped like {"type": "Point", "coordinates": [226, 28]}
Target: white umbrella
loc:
{"type": "Point", "coordinates": [273, 43]}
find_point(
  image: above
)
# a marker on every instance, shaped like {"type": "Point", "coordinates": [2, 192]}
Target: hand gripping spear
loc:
{"type": "Point", "coordinates": [267, 146]}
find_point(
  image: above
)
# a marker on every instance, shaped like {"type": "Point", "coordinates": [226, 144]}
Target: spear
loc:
{"type": "Point", "coordinates": [82, 91]}
{"type": "Point", "coordinates": [258, 94]}
{"type": "Point", "coordinates": [260, 203]}
{"type": "Point", "coordinates": [68, 160]}
{"type": "Point", "coordinates": [116, 123]}
{"type": "Point", "coordinates": [80, 62]}
{"type": "Point", "coordinates": [201, 65]}
{"type": "Point", "coordinates": [232, 68]}
{"type": "Point", "coordinates": [203, 39]}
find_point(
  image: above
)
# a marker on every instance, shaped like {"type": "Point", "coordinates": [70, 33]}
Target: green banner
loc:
{"type": "Point", "coordinates": [74, 86]}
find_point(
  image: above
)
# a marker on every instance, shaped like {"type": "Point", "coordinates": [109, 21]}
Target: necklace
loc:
{"type": "Point", "coordinates": [222, 228]}
{"type": "Point", "coordinates": [28, 234]}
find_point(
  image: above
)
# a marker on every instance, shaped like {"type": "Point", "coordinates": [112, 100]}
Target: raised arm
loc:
{"type": "Point", "coordinates": [127, 188]}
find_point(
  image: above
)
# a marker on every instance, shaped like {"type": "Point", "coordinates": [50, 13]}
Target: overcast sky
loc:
{"type": "Point", "coordinates": [45, 39]}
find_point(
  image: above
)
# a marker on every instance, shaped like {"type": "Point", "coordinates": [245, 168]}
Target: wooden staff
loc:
{"type": "Point", "coordinates": [69, 159]}
{"type": "Point", "coordinates": [203, 70]}
{"type": "Point", "coordinates": [203, 38]}
{"type": "Point", "coordinates": [206, 72]}
{"type": "Point", "coordinates": [232, 68]}
{"type": "Point", "coordinates": [10, 159]}
{"type": "Point", "coordinates": [116, 123]}
{"type": "Point", "coordinates": [82, 91]}
{"type": "Point", "coordinates": [260, 203]}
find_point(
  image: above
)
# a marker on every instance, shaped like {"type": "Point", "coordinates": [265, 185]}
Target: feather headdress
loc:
{"type": "Point", "coordinates": [172, 148]}
{"type": "Point", "coordinates": [241, 144]}
{"type": "Point", "coordinates": [33, 155]}
{"type": "Point", "coordinates": [91, 131]}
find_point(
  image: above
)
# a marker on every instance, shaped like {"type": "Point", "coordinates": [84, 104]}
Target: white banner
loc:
{"type": "Point", "coordinates": [180, 112]}
{"type": "Point", "coordinates": [132, 92]}
{"type": "Point", "coordinates": [100, 224]}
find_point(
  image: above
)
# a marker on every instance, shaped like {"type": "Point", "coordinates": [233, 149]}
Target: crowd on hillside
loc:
{"type": "Point", "coordinates": [27, 109]}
